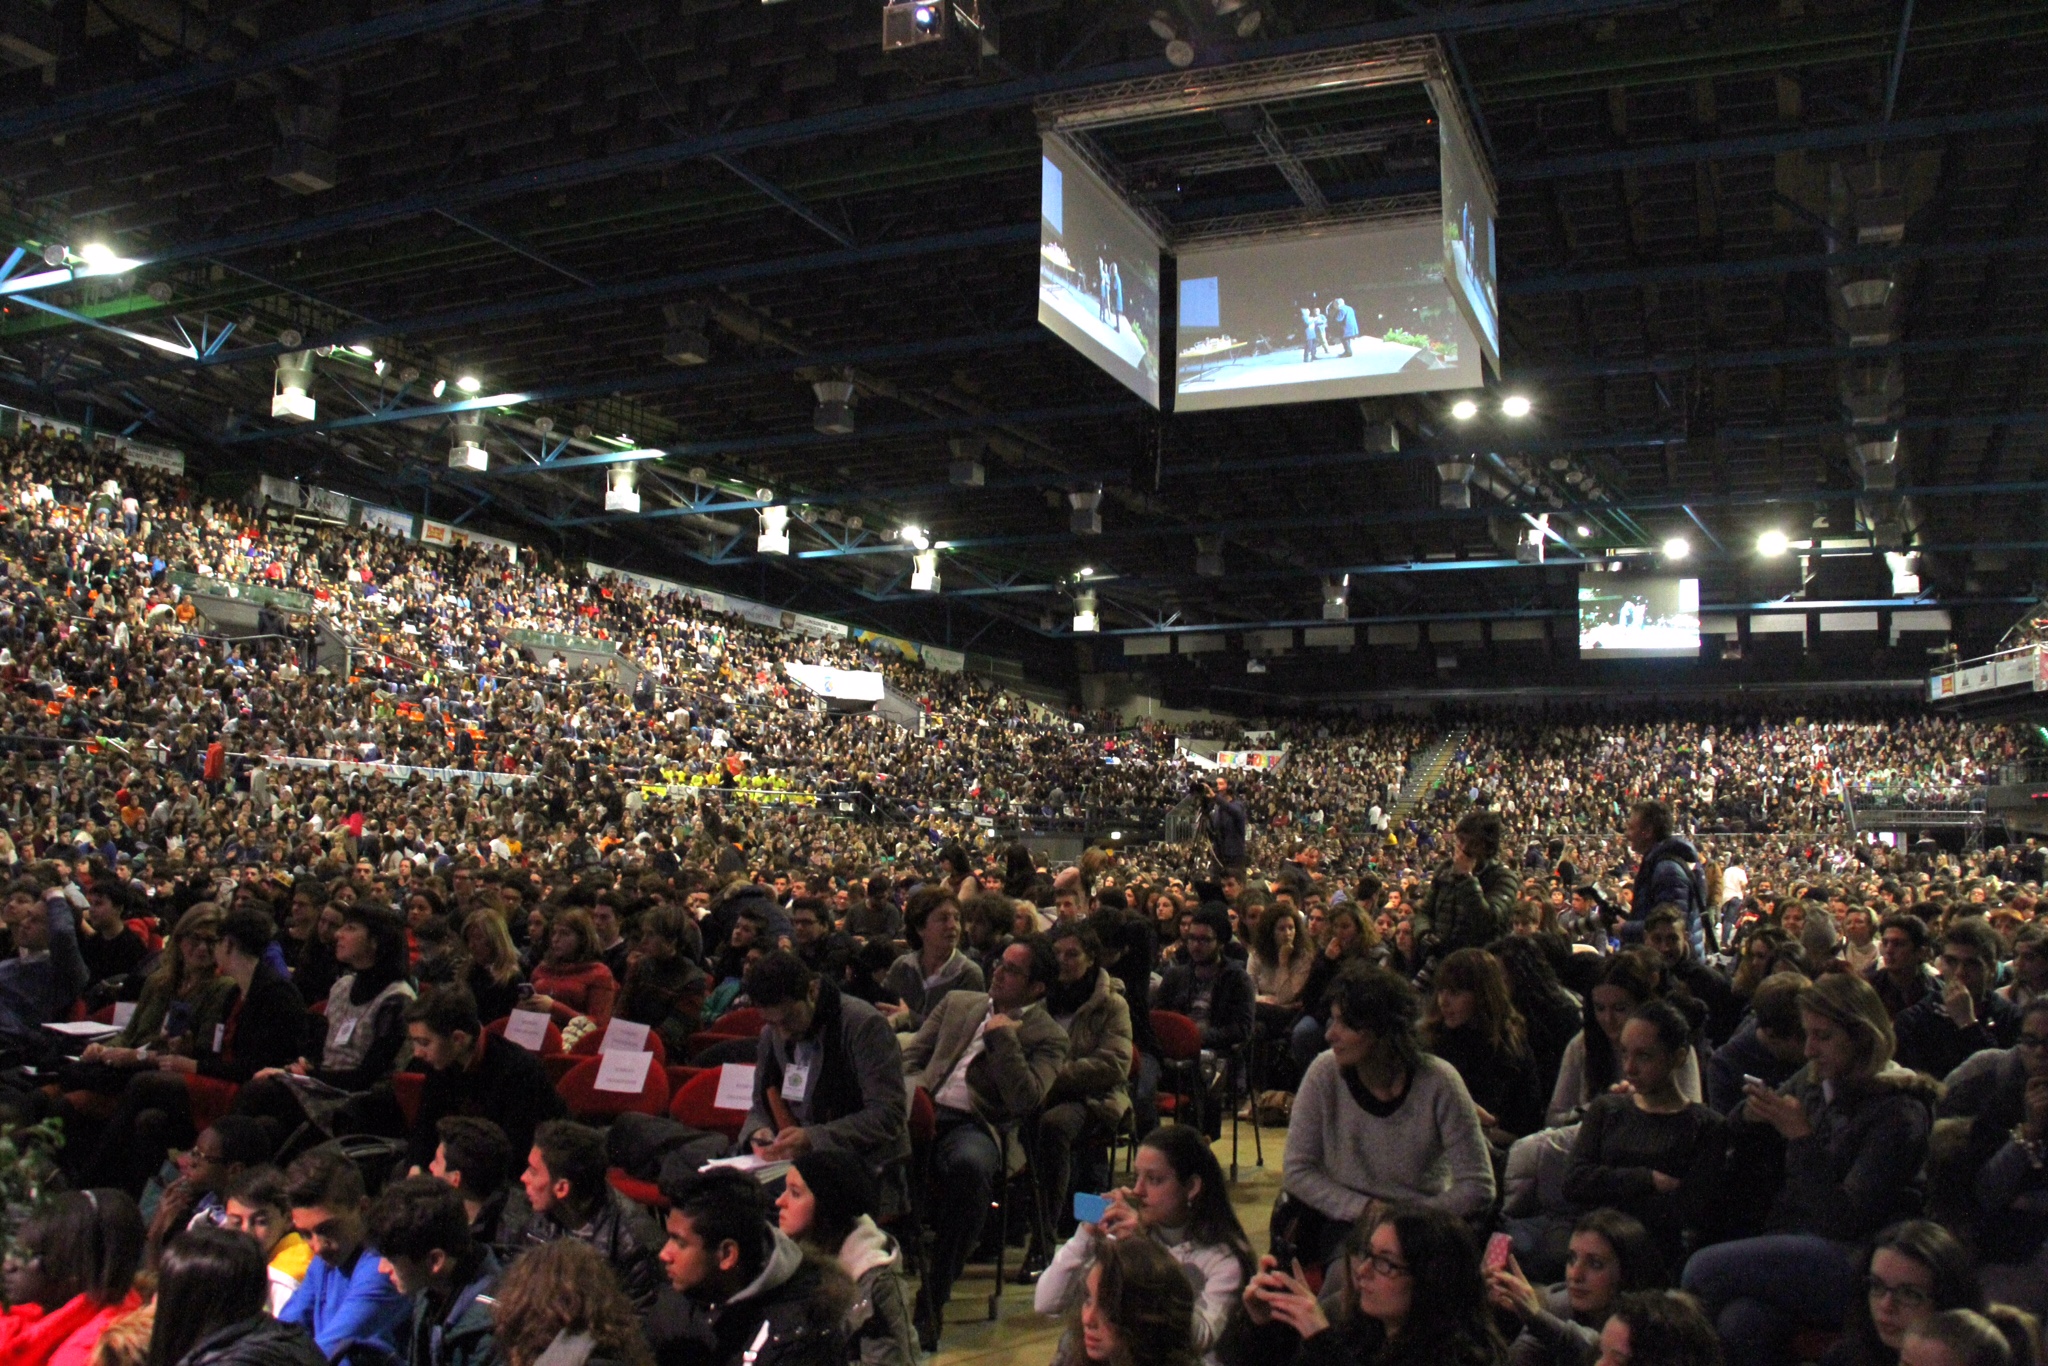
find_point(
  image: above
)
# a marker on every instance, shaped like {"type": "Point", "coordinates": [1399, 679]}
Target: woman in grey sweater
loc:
{"type": "Point", "coordinates": [1377, 1121]}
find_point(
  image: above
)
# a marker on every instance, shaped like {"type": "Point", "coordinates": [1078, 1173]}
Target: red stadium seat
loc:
{"type": "Point", "coordinates": [1180, 1048]}
{"type": "Point", "coordinates": [209, 1098]}
{"type": "Point", "coordinates": [693, 1106]}
{"type": "Point", "coordinates": [405, 1089]}
{"type": "Point", "coordinates": [579, 1091]}
{"type": "Point", "coordinates": [551, 1045]}
{"type": "Point", "coordinates": [924, 1117]}
{"type": "Point", "coordinates": [591, 1044]}
{"type": "Point", "coordinates": [745, 1022]}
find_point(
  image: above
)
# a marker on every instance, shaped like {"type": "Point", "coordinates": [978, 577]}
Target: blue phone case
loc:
{"type": "Point", "coordinates": [1089, 1209]}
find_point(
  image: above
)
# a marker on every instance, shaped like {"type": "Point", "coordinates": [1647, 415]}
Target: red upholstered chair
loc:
{"type": "Point", "coordinates": [590, 1045]}
{"type": "Point", "coordinates": [744, 1022]}
{"type": "Point", "coordinates": [693, 1106]}
{"type": "Point", "coordinates": [405, 1089]}
{"type": "Point", "coordinates": [104, 1015]}
{"type": "Point", "coordinates": [578, 1089]}
{"type": "Point", "coordinates": [551, 1044]}
{"type": "Point", "coordinates": [209, 1097]}
{"type": "Point", "coordinates": [1180, 1049]}
{"type": "Point", "coordinates": [638, 1191]}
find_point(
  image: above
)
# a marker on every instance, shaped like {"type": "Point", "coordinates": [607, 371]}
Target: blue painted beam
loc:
{"type": "Point", "coordinates": [663, 381]}
{"type": "Point", "coordinates": [629, 291]}
{"type": "Point", "coordinates": [748, 445]}
{"type": "Point", "coordinates": [317, 46]}
{"type": "Point", "coordinates": [787, 201]}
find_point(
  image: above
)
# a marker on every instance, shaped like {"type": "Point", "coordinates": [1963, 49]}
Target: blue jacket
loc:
{"type": "Point", "coordinates": [1666, 875]}
{"type": "Point", "coordinates": [38, 989]}
{"type": "Point", "coordinates": [339, 1305]}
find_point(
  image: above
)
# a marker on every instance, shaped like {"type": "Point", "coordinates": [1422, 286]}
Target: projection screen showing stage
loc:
{"type": "Point", "coordinates": [1638, 616]}
{"type": "Point", "coordinates": [1098, 273]}
{"type": "Point", "coordinates": [1470, 262]}
{"type": "Point", "coordinates": [1349, 312]}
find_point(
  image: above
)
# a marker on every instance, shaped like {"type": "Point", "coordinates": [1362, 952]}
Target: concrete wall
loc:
{"type": "Point", "coordinates": [1121, 694]}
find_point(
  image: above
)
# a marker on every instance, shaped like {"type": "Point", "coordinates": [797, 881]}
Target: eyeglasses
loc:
{"type": "Point", "coordinates": [1380, 1264]}
{"type": "Point", "coordinates": [1904, 1296]}
{"type": "Point", "coordinates": [1199, 938]}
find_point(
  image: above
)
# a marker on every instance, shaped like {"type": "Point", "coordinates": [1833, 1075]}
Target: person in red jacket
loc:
{"type": "Point", "coordinates": [73, 1274]}
{"type": "Point", "coordinates": [573, 973]}
{"type": "Point", "coordinates": [214, 772]}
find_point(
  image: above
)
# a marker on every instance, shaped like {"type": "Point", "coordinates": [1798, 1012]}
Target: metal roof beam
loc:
{"type": "Point", "coordinates": [748, 445]}
{"type": "Point", "coordinates": [833, 498]}
{"type": "Point", "coordinates": [661, 382]}
{"type": "Point", "coordinates": [1576, 282]}
{"type": "Point", "coordinates": [308, 48]}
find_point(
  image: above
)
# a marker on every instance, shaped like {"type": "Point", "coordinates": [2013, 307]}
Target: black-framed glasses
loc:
{"type": "Point", "coordinates": [1904, 1296]}
{"type": "Point", "coordinates": [1380, 1264]}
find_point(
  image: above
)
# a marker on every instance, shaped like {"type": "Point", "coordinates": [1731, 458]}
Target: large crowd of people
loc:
{"type": "Point", "coordinates": [1619, 1043]}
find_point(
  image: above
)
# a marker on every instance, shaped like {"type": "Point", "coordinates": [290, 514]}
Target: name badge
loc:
{"type": "Point", "coordinates": [796, 1082]}
{"type": "Point", "coordinates": [344, 1031]}
{"type": "Point", "coordinates": [220, 1035]}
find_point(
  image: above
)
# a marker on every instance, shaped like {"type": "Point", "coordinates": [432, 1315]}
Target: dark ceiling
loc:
{"type": "Point", "coordinates": [534, 191]}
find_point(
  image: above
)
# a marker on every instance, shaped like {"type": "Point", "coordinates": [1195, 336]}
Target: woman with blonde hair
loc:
{"type": "Point", "coordinates": [182, 1000]}
{"type": "Point", "coordinates": [561, 1300]}
{"type": "Point", "coordinates": [1855, 1126]}
{"type": "Point", "coordinates": [494, 973]}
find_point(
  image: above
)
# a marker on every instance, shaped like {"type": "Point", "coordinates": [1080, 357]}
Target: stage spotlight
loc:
{"type": "Point", "coordinates": [469, 384]}
{"type": "Point", "coordinates": [1514, 405]}
{"type": "Point", "coordinates": [1584, 530]}
{"type": "Point", "coordinates": [1677, 548]}
{"type": "Point", "coordinates": [1773, 543]}
{"type": "Point", "coordinates": [440, 388]}
{"type": "Point", "coordinates": [1464, 410]}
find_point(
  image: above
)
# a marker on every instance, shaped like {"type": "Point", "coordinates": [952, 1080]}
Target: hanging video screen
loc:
{"type": "Point", "coordinates": [1470, 260]}
{"type": "Point", "coordinates": [1638, 616]}
{"type": "Point", "coordinates": [1352, 312]}
{"type": "Point", "coordinates": [1098, 273]}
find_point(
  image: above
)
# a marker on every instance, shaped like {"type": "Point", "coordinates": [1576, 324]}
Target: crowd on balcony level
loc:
{"type": "Point", "coordinates": [1616, 1043]}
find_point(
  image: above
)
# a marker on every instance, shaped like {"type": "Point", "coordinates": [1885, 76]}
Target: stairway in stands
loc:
{"type": "Point", "coordinates": [1426, 772]}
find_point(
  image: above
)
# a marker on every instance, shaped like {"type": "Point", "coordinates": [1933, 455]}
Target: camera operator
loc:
{"type": "Point", "coordinates": [1225, 821]}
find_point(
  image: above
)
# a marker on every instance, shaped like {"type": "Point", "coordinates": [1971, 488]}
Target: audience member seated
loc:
{"type": "Point", "coordinates": [561, 1304]}
{"type": "Point", "coordinates": [573, 973]}
{"type": "Point", "coordinates": [934, 967]}
{"type": "Point", "coordinates": [1134, 1310]}
{"type": "Point", "coordinates": [1855, 1128]}
{"type": "Point", "coordinates": [1902, 976]}
{"type": "Point", "coordinates": [475, 1157]}
{"type": "Point", "coordinates": [1659, 1326]}
{"type": "Point", "coordinates": [566, 1189]}
{"type": "Point", "coordinates": [1964, 1015]}
{"type": "Point", "coordinates": [1611, 1255]}
{"type": "Point", "coordinates": [740, 1291]}
{"type": "Point", "coordinates": [494, 975]}
{"type": "Point", "coordinates": [44, 975]}
{"type": "Point", "coordinates": [828, 1073]}
{"type": "Point", "coordinates": [346, 1297]}
{"type": "Point", "coordinates": [1911, 1272]}
{"type": "Point", "coordinates": [1177, 1199]}
{"type": "Point", "coordinates": [987, 1059]}
{"type": "Point", "coordinates": [260, 1206]}
{"type": "Point", "coordinates": [1378, 1121]}
{"type": "Point", "coordinates": [1647, 1150]}
{"type": "Point", "coordinates": [181, 1002]}
{"type": "Point", "coordinates": [1090, 1095]}
{"type": "Point", "coordinates": [70, 1273]}
{"type": "Point", "coordinates": [828, 1206]}
{"type": "Point", "coordinates": [1592, 1060]}
{"type": "Point", "coordinates": [1768, 1045]}
{"type": "Point", "coordinates": [210, 1299]}
{"type": "Point", "coordinates": [472, 1073]}
{"type": "Point", "coordinates": [1352, 944]}
{"type": "Point", "coordinates": [1216, 993]}
{"type": "Point", "coordinates": [445, 1277]}
{"type": "Point", "coordinates": [365, 1030]}
{"type": "Point", "coordinates": [1411, 1291]}
{"type": "Point", "coordinates": [109, 945]}
{"type": "Point", "coordinates": [218, 1157]}
{"type": "Point", "coordinates": [1472, 1024]}
{"type": "Point", "coordinates": [664, 990]}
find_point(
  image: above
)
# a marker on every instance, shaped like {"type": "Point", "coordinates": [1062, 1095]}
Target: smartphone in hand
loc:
{"type": "Point", "coordinates": [1089, 1209]}
{"type": "Point", "coordinates": [1497, 1249]}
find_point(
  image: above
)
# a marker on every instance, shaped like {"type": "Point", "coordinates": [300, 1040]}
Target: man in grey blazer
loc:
{"type": "Point", "coordinates": [988, 1060]}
